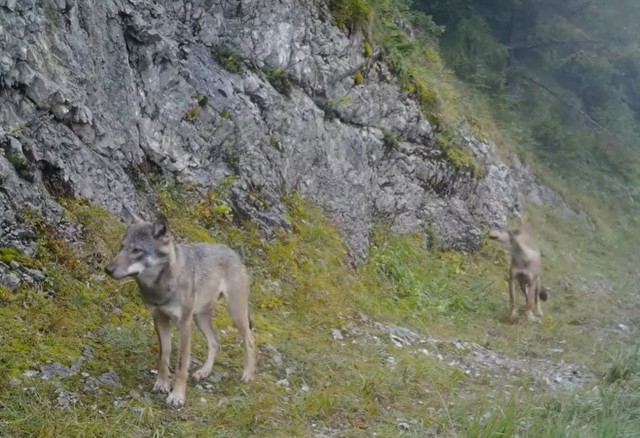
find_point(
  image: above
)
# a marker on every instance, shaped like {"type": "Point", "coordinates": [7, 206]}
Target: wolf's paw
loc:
{"type": "Point", "coordinates": [200, 374]}
{"type": "Point", "coordinates": [248, 376]}
{"type": "Point", "coordinates": [531, 317]}
{"type": "Point", "coordinates": [175, 400]}
{"type": "Point", "coordinates": [161, 386]}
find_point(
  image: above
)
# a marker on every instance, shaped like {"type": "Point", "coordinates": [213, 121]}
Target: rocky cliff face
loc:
{"type": "Point", "coordinates": [98, 93]}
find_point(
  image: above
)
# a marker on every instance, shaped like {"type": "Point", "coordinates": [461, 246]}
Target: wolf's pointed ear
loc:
{"type": "Point", "coordinates": [160, 227]}
{"type": "Point", "coordinates": [129, 217]}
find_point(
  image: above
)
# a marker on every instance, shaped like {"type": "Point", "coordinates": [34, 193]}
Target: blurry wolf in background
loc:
{"type": "Point", "coordinates": [180, 283]}
{"type": "Point", "coordinates": [526, 267]}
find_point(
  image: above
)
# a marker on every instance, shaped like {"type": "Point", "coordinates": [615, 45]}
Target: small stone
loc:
{"type": "Point", "coordinates": [66, 398]}
{"type": "Point", "coordinates": [14, 381]}
{"type": "Point", "coordinates": [60, 112]}
{"type": "Point", "coordinates": [276, 359]}
{"type": "Point", "coordinates": [404, 426]}
{"type": "Point", "coordinates": [337, 334]}
{"type": "Point", "coordinates": [10, 281]}
{"type": "Point", "coordinates": [55, 369]}
{"type": "Point", "coordinates": [110, 378]}
{"type": "Point", "coordinates": [30, 373]}
{"type": "Point", "coordinates": [82, 115]}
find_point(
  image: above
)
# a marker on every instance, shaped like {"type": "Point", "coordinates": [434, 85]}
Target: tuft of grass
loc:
{"type": "Point", "coordinates": [225, 114]}
{"type": "Point", "coordinates": [351, 15]}
{"type": "Point", "coordinates": [457, 155]}
{"type": "Point", "coordinates": [18, 161]}
{"type": "Point", "coordinates": [8, 255]}
{"type": "Point", "coordinates": [390, 140]}
{"type": "Point", "coordinates": [367, 49]}
{"type": "Point", "coordinates": [358, 78]}
{"type": "Point", "coordinates": [279, 79]}
{"type": "Point", "coordinates": [192, 113]}
{"type": "Point", "coordinates": [228, 59]}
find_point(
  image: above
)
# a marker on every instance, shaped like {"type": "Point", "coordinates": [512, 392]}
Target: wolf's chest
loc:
{"type": "Point", "coordinates": [171, 310]}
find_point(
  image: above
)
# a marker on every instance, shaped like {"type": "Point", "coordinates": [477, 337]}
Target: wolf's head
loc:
{"type": "Point", "coordinates": [511, 236]}
{"type": "Point", "coordinates": [145, 245]}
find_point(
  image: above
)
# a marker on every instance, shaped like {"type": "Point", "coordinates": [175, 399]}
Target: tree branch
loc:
{"type": "Point", "coordinates": [564, 102]}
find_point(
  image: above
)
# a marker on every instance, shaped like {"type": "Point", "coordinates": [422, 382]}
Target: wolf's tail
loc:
{"type": "Point", "coordinates": [250, 318]}
{"type": "Point", "coordinates": [544, 293]}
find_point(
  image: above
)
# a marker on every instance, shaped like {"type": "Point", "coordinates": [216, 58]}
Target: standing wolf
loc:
{"type": "Point", "coordinates": [180, 283]}
{"type": "Point", "coordinates": [526, 267]}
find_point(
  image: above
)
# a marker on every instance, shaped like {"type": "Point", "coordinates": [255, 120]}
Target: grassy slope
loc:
{"type": "Point", "coordinates": [302, 290]}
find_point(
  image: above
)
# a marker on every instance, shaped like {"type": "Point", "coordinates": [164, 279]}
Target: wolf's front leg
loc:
{"type": "Point", "coordinates": [177, 396]}
{"type": "Point", "coordinates": [513, 312]}
{"type": "Point", "coordinates": [162, 325]}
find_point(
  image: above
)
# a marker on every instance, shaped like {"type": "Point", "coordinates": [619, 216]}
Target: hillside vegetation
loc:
{"type": "Point", "coordinates": [412, 342]}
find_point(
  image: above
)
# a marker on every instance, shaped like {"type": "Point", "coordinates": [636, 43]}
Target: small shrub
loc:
{"type": "Point", "coordinates": [357, 78]}
{"type": "Point", "coordinates": [227, 59]}
{"type": "Point", "coordinates": [397, 66]}
{"type": "Point", "coordinates": [225, 114]}
{"type": "Point", "coordinates": [279, 79]}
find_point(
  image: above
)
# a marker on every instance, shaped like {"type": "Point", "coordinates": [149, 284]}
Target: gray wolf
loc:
{"type": "Point", "coordinates": [526, 268]}
{"type": "Point", "coordinates": [180, 283]}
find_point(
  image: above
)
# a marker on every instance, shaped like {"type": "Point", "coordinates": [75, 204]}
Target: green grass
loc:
{"type": "Point", "coordinates": [303, 289]}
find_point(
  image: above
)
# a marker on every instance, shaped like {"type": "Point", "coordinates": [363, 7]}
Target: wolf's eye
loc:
{"type": "Point", "coordinates": [137, 252]}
